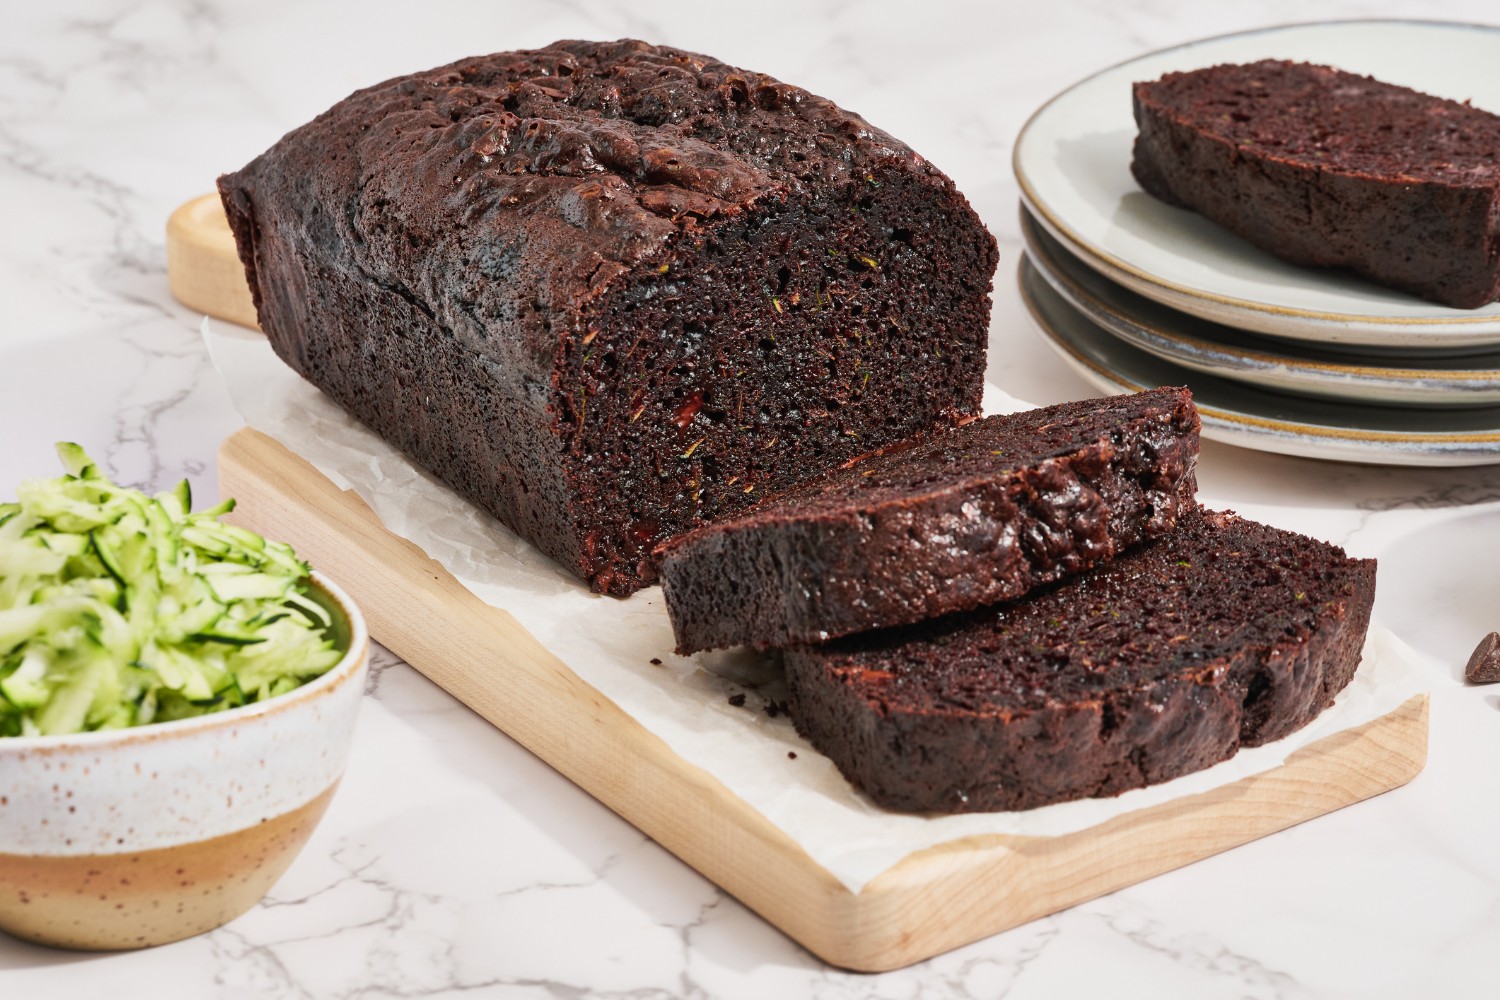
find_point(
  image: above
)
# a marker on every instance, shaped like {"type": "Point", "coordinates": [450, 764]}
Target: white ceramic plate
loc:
{"type": "Point", "coordinates": [1268, 421]}
{"type": "Point", "coordinates": [1072, 160]}
{"type": "Point", "coordinates": [1411, 380]}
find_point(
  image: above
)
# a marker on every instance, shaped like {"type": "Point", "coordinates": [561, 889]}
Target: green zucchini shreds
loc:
{"type": "Point", "coordinates": [118, 609]}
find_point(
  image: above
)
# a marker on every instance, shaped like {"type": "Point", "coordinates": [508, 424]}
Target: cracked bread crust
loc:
{"type": "Point", "coordinates": [609, 291]}
{"type": "Point", "coordinates": [1325, 168]}
{"type": "Point", "coordinates": [1161, 662]}
{"type": "Point", "coordinates": [968, 517]}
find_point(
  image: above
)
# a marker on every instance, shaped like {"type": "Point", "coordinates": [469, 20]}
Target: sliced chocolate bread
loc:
{"type": "Point", "coordinates": [1330, 169]}
{"type": "Point", "coordinates": [1161, 662]}
{"type": "Point", "coordinates": [975, 515]}
{"type": "Point", "coordinates": [609, 291]}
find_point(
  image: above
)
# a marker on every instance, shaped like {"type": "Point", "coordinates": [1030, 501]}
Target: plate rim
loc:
{"type": "Point", "coordinates": [1344, 320]}
{"type": "Point", "coordinates": [1449, 447]}
{"type": "Point", "coordinates": [1369, 376]}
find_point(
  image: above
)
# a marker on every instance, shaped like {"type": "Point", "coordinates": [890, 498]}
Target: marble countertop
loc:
{"type": "Point", "coordinates": [452, 861]}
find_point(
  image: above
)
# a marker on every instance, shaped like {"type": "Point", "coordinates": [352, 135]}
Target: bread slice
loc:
{"type": "Point", "coordinates": [1161, 662]}
{"type": "Point", "coordinates": [976, 515]}
{"type": "Point", "coordinates": [1330, 169]}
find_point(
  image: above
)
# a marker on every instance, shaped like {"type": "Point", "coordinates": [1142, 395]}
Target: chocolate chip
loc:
{"type": "Point", "coordinates": [791, 755]}
{"type": "Point", "coordinates": [737, 700]}
{"type": "Point", "coordinates": [655, 661]}
{"type": "Point", "coordinates": [1484, 664]}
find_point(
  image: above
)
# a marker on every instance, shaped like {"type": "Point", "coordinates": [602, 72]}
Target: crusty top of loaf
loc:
{"type": "Point", "coordinates": [1334, 120]}
{"type": "Point", "coordinates": [506, 187]}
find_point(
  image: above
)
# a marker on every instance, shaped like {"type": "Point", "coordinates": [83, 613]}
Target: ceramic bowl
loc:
{"type": "Point", "coordinates": [137, 837]}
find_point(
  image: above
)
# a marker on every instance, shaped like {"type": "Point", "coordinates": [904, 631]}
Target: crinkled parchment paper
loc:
{"type": "Point", "coordinates": [610, 644]}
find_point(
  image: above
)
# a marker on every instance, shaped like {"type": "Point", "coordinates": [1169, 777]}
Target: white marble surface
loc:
{"type": "Point", "coordinates": [454, 862]}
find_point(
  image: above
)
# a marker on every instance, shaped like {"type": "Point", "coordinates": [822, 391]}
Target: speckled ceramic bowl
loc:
{"type": "Point", "coordinates": [141, 836]}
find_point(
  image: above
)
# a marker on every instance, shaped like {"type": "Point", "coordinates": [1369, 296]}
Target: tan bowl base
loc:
{"type": "Point", "coordinates": [112, 902]}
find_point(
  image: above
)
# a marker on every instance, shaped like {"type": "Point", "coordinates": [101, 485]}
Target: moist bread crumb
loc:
{"type": "Point", "coordinates": [960, 519]}
{"type": "Point", "coordinates": [1158, 663]}
{"type": "Point", "coordinates": [1325, 168]}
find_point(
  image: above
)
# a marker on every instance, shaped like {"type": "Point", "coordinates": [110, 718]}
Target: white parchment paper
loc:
{"type": "Point", "coordinates": [610, 643]}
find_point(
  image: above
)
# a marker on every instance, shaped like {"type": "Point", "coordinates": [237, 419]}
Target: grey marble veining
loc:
{"type": "Point", "coordinates": [453, 862]}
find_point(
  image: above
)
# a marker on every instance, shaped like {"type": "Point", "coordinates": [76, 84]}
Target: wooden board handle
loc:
{"type": "Point", "coordinates": [203, 266]}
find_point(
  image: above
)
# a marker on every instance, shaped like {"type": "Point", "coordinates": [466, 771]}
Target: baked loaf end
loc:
{"type": "Point", "coordinates": [608, 291]}
{"type": "Point", "coordinates": [1158, 663]}
{"type": "Point", "coordinates": [967, 517]}
{"type": "Point", "coordinates": [1330, 169]}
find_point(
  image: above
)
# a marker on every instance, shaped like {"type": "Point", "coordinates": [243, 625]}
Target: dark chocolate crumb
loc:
{"type": "Point", "coordinates": [775, 708]}
{"type": "Point", "coordinates": [791, 755]}
{"type": "Point", "coordinates": [655, 661]}
{"type": "Point", "coordinates": [1289, 133]}
{"type": "Point", "coordinates": [1484, 664]}
{"type": "Point", "coordinates": [721, 591]}
{"type": "Point", "coordinates": [899, 713]}
{"type": "Point", "coordinates": [737, 700]}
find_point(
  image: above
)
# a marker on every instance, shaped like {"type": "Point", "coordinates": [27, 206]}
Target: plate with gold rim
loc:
{"type": "Point", "coordinates": [1284, 366]}
{"type": "Point", "coordinates": [1251, 417]}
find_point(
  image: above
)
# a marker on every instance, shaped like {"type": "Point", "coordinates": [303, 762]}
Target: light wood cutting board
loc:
{"type": "Point", "coordinates": [203, 267]}
{"type": "Point", "coordinates": [929, 903]}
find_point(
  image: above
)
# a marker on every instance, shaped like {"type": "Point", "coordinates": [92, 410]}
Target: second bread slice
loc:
{"type": "Point", "coordinates": [1225, 633]}
{"type": "Point", "coordinates": [980, 514]}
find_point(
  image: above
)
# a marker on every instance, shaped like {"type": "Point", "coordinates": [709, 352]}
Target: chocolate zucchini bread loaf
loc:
{"type": "Point", "coordinates": [968, 517]}
{"type": "Point", "coordinates": [1160, 662]}
{"type": "Point", "coordinates": [1330, 169]}
{"type": "Point", "coordinates": [608, 291]}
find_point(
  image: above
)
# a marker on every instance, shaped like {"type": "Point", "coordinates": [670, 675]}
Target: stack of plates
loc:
{"type": "Point", "coordinates": [1134, 293]}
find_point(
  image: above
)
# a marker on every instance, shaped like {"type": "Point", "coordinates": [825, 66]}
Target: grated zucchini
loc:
{"type": "Point", "coordinates": [121, 609]}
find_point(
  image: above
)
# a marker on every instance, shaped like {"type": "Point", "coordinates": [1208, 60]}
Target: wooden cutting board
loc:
{"type": "Point", "coordinates": [929, 903]}
{"type": "Point", "coordinates": [203, 267]}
